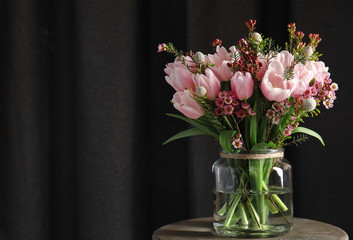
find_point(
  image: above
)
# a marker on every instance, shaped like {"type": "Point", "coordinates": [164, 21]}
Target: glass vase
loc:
{"type": "Point", "coordinates": [252, 194]}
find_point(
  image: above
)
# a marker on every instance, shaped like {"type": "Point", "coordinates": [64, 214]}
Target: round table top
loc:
{"type": "Point", "coordinates": [201, 229]}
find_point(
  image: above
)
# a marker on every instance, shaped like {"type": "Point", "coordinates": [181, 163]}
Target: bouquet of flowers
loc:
{"type": "Point", "coordinates": [253, 95]}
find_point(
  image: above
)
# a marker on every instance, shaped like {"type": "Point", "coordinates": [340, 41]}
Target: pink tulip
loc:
{"type": "Point", "coordinates": [261, 72]}
{"type": "Point", "coordinates": [186, 104]}
{"type": "Point", "coordinates": [210, 82]}
{"type": "Point", "coordinates": [221, 55]}
{"type": "Point", "coordinates": [179, 77]}
{"type": "Point", "coordinates": [307, 73]}
{"type": "Point", "coordinates": [221, 59]}
{"type": "Point", "coordinates": [285, 58]}
{"type": "Point", "coordinates": [223, 72]}
{"type": "Point", "coordinates": [304, 77]}
{"type": "Point", "coordinates": [242, 85]}
{"type": "Point", "coordinates": [273, 85]}
{"type": "Point", "coordinates": [319, 70]}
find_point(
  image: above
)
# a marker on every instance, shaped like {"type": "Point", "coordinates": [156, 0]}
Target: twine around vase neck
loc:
{"type": "Point", "coordinates": [252, 155]}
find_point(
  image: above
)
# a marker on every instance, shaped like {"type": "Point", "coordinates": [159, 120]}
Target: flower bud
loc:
{"type": "Point", "coordinates": [201, 91]}
{"type": "Point", "coordinates": [309, 104]}
{"type": "Point", "coordinates": [308, 51]}
{"type": "Point", "coordinates": [256, 37]}
{"type": "Point", "coordinates": [199, 58]}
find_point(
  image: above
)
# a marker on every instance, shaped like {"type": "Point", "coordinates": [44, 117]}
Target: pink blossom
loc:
{"type": "Point", "coordinates": [273, 85]}
{"type": "Point", "coordinates": [222, 94]}
{"type": "Point", "coordinates": [237, 143]}
{"type": "Point", "coordinates": [245, 105]}
{"type": "Point", "coordinates": [242, 85]}
{"type": "Point", "coordinates": [328, 80]}
{"type": "Point", "coordinates": [186, 104]}
{"type": "Point", "coordinates": [290, 127]}
{"type": "Point", "coordinates": [219, 102]}
{"type": "Point", "coordinates": [251, 112]}
{"type": "Point", "coordinates": [219, 111]}
{"type": "Point", "coordinates": [210, 82]}
{"type": "Point", "coordinates": [235, 103]}
{"type": "Point", "coordinates": [228, 109]}
{"type": "Point", "coordinates": [162, 47]}
{"type": "Point", "coordinates": [240, 113]}
{"type": "Point", "coordinates": [179, 77]}
{"type": "Point", "coordinates": [287, 132]}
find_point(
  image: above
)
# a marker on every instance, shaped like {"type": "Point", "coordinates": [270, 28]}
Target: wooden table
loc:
{"type": "Point", "coordinates": [201, 229]}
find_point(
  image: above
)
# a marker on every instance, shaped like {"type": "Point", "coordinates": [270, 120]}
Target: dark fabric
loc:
{"type": "Point", "coordinates": [83, 102]}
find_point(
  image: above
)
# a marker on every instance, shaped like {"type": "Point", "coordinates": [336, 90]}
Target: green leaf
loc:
{"type": "Point", "coordinates": [247, 132]}
{"type": "Point", "coordinates": [260, 146]}
{"type": "Point", "coordinates": [263, 145]}
{"type": "Point", "coordinates": [309, 132]}
{"type": "Point", "coordinates": [262, 130]}
{"type": "Point", "coordinates": [272, 145]}
{"type": "Point", "coordinates": [196, 124]}
{"type": "Point", "coordinates": [225, 85]}
{"type": "Point", "coordinates": [186, 133]}
{"type": "Point", "coordinates": [257, 107]}
{"type": "Point", "coordinates": [253, 130]}
{"type": "Point", "coordinates": [275, 132]}
{"type": "Point", "coordinates": [225, 139]}
{"type": "Point", "coordinates": [284, 121]}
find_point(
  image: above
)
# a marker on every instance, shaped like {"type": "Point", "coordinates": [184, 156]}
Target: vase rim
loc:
{"type": "Point", "coordinates": [254, 154]}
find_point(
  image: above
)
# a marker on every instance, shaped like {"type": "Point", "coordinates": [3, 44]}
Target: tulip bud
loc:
{"type": "Point", "coordinates": [256, 37]}
{"type": "Point", "coordinates": [201, 91]}
{"type": "Point", "coordinates": [199, 58]}
{"type": "Point", "coordinates": [309, 104]}
{"type": "Point", "coordinates": [308, 51]}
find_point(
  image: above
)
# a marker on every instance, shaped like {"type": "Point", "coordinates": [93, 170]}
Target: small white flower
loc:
{"type": "Point", "coordinates": [308, 51]}
{"type": "Point", "coordinates": [256, 37]}
{"type": "Point", "coordinates": [201, 91]}
{"type": "Point", "coordinates": [270, 114]}
{"type": "Point", "coordinates": [309, 104]}
{"type": "Point", "coordinates": [199, 58]}
{"type": "Point", "coordinates": [334, 86]}
{"type": "Point", "coordinates": [277, 106]}
{"type": "Point", "coordinates": [276, 120]}
{"type": "Point", "coordinates": [328, 103]}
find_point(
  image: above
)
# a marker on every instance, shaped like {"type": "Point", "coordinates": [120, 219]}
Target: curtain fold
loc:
{"type": "Point", "coordinates": [83, 101]}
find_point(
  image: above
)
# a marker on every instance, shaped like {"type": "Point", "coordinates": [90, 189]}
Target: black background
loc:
{"type": "Point", "coordinates": [83, 102]}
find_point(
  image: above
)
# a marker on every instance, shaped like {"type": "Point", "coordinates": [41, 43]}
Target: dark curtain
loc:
{"type": "Point", "coordinates": [83, 102]}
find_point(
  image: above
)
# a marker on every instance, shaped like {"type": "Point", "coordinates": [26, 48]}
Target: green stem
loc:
{"type": "Point", "coordinates": [232, 210]}
{"type": "Point", "coordinates": [271, 207]}
{"type": "Point", "coordinates": [264, 186]}
{"type": "Point", "coordinates": [262, 209]}
{"type": "Point", "coordinates": [244, 218]}
{"type": "Point", "coordinates": [253, 213]}
{"type": "Point", "coordinates": [256, 167]}
{"type": "Point", "coordinates": [223, 210]}
{"type": "Point", "coordinates": [236, 217]}
{"type": "Point", "coordinates": [279, 202]}
{"type": "Point", "coordinates": [228, 123]}
{"type": "Point", "coordinates": [276, 199]}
